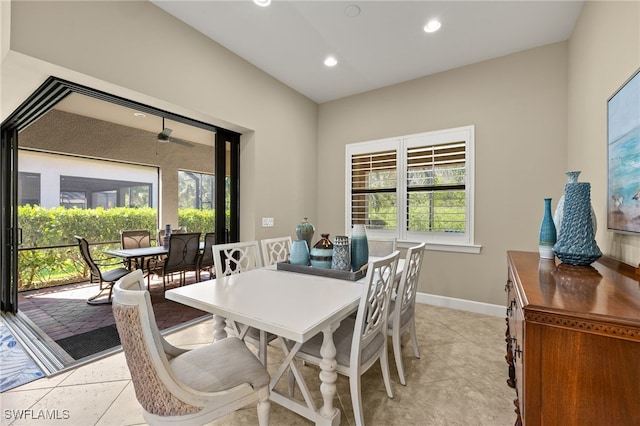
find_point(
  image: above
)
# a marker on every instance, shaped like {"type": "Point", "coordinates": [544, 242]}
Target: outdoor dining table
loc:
{"type": "Point", "coordinates": [293, 306]}
{"type": "Point", "coordinates": [140, 253]}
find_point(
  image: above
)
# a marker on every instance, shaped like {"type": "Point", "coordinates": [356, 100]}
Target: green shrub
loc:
{"type": "Point", "coordinates": [42, 227]}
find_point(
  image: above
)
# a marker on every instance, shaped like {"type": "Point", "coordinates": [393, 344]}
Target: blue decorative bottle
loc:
{"type": "Point", "coordinates": [547, 236]}
{"type": "Point", "coordinates": [359, 247]}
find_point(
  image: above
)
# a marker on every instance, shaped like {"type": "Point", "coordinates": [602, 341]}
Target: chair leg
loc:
{"type": "Point", "coordinates": [356, 398]}
{"type": "Point", "coordinates": [414, 340]}
{"type": "Point", "coordinates": [384, 364]}
{"type": "Point", "coordinates": [264, 411]}
{"type": "Point", "coordinates": [263, 348]}
{"type": "Point", "coordinates": [397, 354]}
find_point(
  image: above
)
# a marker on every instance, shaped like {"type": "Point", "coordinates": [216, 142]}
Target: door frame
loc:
{"type": "Point", "coordinates": [52, 91]}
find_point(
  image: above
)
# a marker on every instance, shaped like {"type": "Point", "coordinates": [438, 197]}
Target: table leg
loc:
{"type": "Point", "coordinates": [328, 376]}
{"type": "Point", "coordinates": [219, 324]}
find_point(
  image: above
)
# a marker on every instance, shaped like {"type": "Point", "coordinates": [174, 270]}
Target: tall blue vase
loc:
{"type": "Point", "coordinates": [359, 247]}
{"type": "Point", "coordinates": [576, 244]}
{"type": "Point", "coordinates": [547, 236]}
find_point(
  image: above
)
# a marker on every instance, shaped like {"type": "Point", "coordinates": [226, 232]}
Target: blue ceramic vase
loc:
{"type": "Point", "coordinates": [576, 244]}
{"type": "Point", "coordinates": [359, 247]}
{"type": "Point", "coordinates": [299, 254]}
{"type": "Point", "coordinates": [322, 253]}
{"type": "Point", "coordinates": [305, 231]}
{"type": "Point", "coordinates": [547, 237]}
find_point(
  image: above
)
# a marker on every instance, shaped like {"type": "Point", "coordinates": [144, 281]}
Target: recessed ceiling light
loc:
{"type": "Point", "coordinates": [139, 114]}
{"type": "Point", "coordinates": [331, 61]}
{"type": "Point", "coordinates": [432, 26]}
{"type": "Point", "coordinates": [262, 3]}
{"type": "Point", "coordinates": [352, 10]}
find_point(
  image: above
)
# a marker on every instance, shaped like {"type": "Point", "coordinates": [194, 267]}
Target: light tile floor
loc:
{"type": "Point", "coordinates": [460, 379]}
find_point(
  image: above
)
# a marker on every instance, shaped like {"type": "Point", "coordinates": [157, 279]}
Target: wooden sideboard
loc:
{"type": "Point", "coordinates": [573, 342]}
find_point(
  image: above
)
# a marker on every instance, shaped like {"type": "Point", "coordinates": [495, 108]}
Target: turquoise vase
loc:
{"type": "Point", "coordinates": [359, 247]}
{"type": "Point", "coordinates": [547, 236]}
{"type": "Point", "coordinates": [576, 244]}
{"type": "Point", "coordinates": [299, 254]}
{"type": "Point", "coordinates": [305, 231]}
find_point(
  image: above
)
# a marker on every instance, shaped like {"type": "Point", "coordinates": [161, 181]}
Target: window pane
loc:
{"type": "Point", "coordinates": [374, 198]}
{"type": "Point", "coordinates": [436, 211]}
{"type": "Point", "coordinates": [436, 199]}
{"type": "Point", "coordinates": [28, 189]}
{"type": "Point", "coordinates": [195, 190]}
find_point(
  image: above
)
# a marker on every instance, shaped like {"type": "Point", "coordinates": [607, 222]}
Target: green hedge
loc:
{"type": "Point", "coordinates": [42, 227]}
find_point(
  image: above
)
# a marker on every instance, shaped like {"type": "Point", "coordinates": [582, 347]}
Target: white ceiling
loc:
{"type": "Point", "coordinates": [384, 45]}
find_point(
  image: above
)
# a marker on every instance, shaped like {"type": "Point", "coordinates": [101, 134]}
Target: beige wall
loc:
{"type": "Point", "coordinates": [153, 58]}
{"type": "Point", "coordinates": [518, 105]}
{"type": "Point", "coordinates": [537, 114]}
{"type": "Point", "coordinates": [604, 51]}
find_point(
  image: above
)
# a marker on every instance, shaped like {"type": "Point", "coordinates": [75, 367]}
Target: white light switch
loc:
{"type": "Point", "coordinates": [267, 222]}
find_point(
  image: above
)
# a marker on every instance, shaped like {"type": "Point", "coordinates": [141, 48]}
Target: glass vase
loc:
{"type": "Point", "coordinates": [322, 253]}
{"type": "Point", "coordinates": [547, 236]}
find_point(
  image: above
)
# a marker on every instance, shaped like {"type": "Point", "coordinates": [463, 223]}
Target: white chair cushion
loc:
{"type": "Point", "coordinates": [342, 339]}
{"type": "Point", "coordinates": [404, 318]}
{"type": "Point", "coordinates": [199, 368]}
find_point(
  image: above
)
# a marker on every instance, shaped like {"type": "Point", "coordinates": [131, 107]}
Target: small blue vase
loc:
{"type": "Point", "coordinates": [299, 254]}
{"type": "Point", "coordinates": [547, 237]}
{"type": "Point", "coordinates": [359, 248]}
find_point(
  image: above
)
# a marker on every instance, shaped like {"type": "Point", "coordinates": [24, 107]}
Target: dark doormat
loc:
{"type": "Point", "coordinates": [91, 342]}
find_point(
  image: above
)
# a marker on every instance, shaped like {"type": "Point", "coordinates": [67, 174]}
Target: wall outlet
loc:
{"type": "Point", "coordinates": [267, 222]}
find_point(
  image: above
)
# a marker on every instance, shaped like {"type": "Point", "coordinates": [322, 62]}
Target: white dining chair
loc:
{"type": "Point", "coordinates": [235, 258]}
{"type": "Point", "coordinates": [275, 250]}
{"type": "Point", "coordinates": [184, 386]}
{"type": "Point", "coordinates": [379, 247]}
{"type": "Point", "coordinates": [402, 319]}
{"type": "Point", "coordinates": [362, 341]}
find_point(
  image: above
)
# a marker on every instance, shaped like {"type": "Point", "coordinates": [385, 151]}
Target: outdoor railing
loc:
{"type": "Point", "coordinates": [49, 266]}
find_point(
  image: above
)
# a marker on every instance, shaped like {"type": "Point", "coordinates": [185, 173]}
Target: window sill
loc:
{"type": "Point", "coordinates": [458, 248]}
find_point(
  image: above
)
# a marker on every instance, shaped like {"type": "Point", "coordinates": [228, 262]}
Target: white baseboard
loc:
{"type": "Point", "coordinates": [461, 304]}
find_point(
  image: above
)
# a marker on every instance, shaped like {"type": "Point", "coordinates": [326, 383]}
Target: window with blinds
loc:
{"type": "Point", "coordinates": [436, 190]}
{"type": "Point", "coordinates": [416, 188]}
{"type": "Point", "coordinates": [374, 179]}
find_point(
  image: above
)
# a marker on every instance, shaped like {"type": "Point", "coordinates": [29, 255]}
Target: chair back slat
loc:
{"type": "Point", "coordinates": [373, 311]}
{"type": "Point", "coordinates": [83, 245]}
{"type": "Point", "coordinates": [183, 252]}
{"type": "Point", "coordinates": [234, 258]}
{"type": "Point", "coordinates": [408, 286]}
{"type": "Point", "coordinates": [275, 250]}
{"type": "Point", "coordinates": [135, 238]}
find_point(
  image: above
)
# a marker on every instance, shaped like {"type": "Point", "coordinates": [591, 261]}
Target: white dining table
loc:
{"type": "Point", "coordinates": [293, 306]}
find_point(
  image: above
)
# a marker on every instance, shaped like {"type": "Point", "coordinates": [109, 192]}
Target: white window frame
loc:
{"type": "Point", "coordinates": [458, 242]}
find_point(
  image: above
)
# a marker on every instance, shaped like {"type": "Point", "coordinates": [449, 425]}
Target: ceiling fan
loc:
{"type": "Point", "coordinates": [165, 136]}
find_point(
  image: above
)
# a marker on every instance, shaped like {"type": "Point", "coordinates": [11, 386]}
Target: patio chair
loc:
{"type": "Point", "coordinates": [275, 250]}
{"type": "Point", "coordinates": [205, 260]}
{"type": "Point", "coordinates": [181, 386]}
{"type": "Point", "coordinates": [402, 319]}
{"type": "Point", "coordinates": [106, 279]}
{"type": "Point", "coordinates": [184, 250]}
{"type": "Point", "coordinates": [235, 258]}
{"type": "Point", "coordinates": [362, 341]}
{"type": "Point", "coordinates": [135, 238]}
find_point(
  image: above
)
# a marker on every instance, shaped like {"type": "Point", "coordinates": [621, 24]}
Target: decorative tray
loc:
{"type": "Point", "coordinates": [323, 272]}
